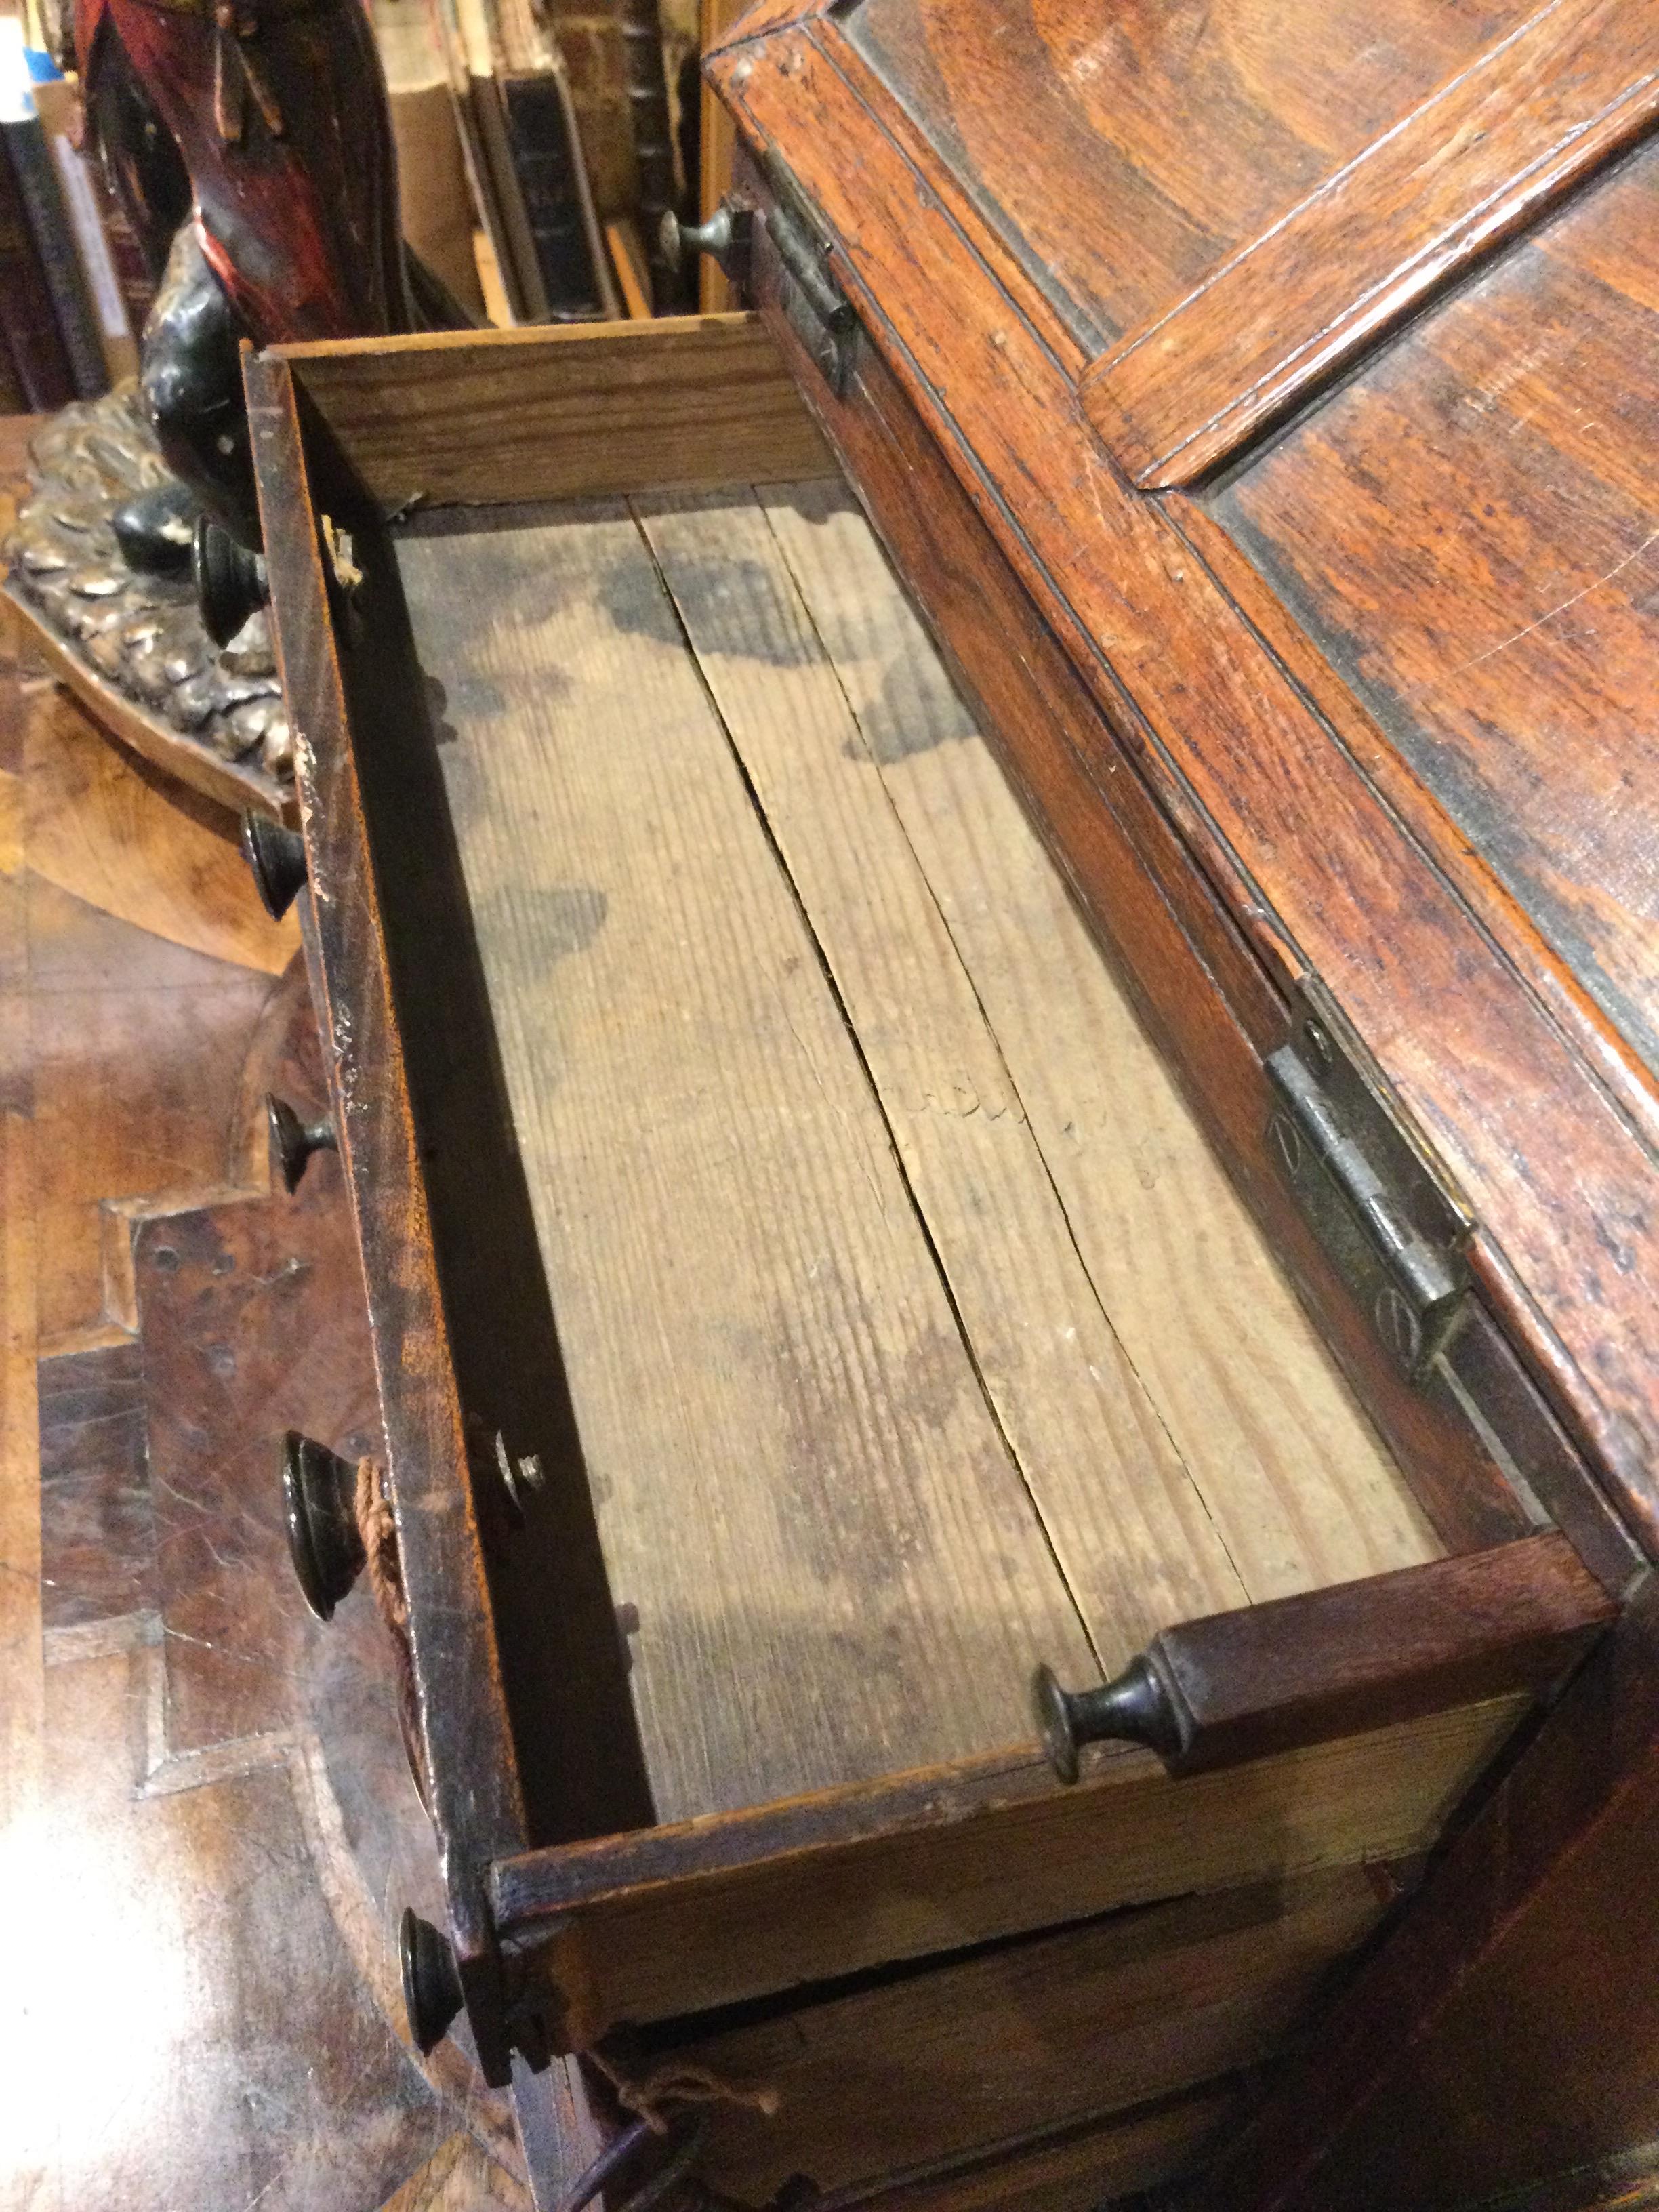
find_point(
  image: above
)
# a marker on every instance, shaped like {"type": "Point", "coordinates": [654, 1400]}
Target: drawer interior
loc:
{"type": "Point", "coordinates": [911, 1332]}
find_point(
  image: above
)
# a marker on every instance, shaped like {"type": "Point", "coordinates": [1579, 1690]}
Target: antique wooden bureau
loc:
{"type": "Point", "coordinates": [803, 1295]}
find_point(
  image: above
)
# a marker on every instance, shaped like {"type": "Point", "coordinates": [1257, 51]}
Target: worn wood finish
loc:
{"type": "Point", "coordinates": [1506, 663]}
{"type": "Point", "coordinates": [477, 1803]}
{"type": "Point", "coordinates": [835, 703]}
{"type": "Point", "coordinates": [1043, 2033]}
{"type": "Point", "coordinates": [1202, 1313]}
{"type": "Point", "coordinates": [645, 1926]}
{"type": "Point", "coordinates": [566, 412]}
{"type": "Point", "coordinates": [833, 1565]}
{"type": "Point", "coordinates": [1526, 121]}
{"type": "Point", "coordinates": [1304, 853]}
{"type": "Point", "coordinates": [1281, 105]}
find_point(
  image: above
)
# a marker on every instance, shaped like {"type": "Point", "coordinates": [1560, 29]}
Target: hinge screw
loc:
{"type": "Point", "coordinates": [1319, 1047]}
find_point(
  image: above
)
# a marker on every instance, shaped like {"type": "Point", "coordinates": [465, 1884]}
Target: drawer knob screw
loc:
{"type": "Point", "coordinates": [277, 860]}
{"type": "Point", "coordinates": [319, 1493]}
{"type": "Point", "coordinates": [432, 1984]}
{"type": "Point", "coordinates": [293, 1141]}
{"type": "Point", "coordinates": [1134, 1707]}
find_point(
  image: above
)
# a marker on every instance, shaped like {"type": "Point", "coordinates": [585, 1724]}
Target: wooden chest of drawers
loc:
{"type": "Point", "coordinates": [805, 1293]}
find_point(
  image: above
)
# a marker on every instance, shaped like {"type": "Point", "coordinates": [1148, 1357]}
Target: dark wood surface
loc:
{"type": "Point", "coordinates": [1303, 848]}
{"type": "Point", "coordinates": [1096, 2021]}
{"type": "Point", "coordinates": [1505, 2032]}
{"type": "Point", "coordinates": [646, 1927]}
{"type": "Point", "coordinates": [1268, 1676]}
{"type": "Point", "coordinates": [1534, 115]}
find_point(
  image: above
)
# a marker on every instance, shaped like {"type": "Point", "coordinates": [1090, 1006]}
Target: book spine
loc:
{"type": "Point", "coordinates": [26, 317]}
{"type": "Point", "coordinates": [60, 260]}
{"type": "Point", "coordinates": [545, 159]}
{"type": "Point", "coordinates": [132, 271]}
{"type": "Point", "coordinates": [12, 399]}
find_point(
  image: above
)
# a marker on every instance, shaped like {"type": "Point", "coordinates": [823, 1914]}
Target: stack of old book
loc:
{"type": "Point", "coordinates": [563, 120]}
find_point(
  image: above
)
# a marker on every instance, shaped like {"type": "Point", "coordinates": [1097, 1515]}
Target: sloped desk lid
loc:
{"type": "Point", "coordinates": [1343, 518]}
{"type": "Point", "coordinates": [1221, 201]}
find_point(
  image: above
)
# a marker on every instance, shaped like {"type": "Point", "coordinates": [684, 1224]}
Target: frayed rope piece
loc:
{"type": "Point", "coordinates": [680, 2085]}
{"type": "Point", "coordinates": [379, 1533]}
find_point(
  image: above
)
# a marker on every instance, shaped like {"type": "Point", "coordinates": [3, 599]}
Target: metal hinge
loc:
{"type": "Point", "coordinates": [819, 312]}
{"type": "Point", "coordinates": [1383, 1209]}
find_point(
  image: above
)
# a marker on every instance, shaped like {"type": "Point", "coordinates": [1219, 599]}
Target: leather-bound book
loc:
{"type": "Point", "coordinates": [59, 257]}
{"type": "Point", "coordinates": [33, 338]}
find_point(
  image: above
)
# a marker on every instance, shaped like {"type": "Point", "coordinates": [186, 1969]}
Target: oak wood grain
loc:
{"type": "Point", "coordinates": [564, 412]}
{"type": "Point", "coordinates": [1127, 1523]}
{"type": "Point", "coordinates": [1201, 999]}
{"type": "Point", "coordinates": [1478, 160]}
{"type": "Point", "coordinates": [1502, 642]}
{"type": "Point", "coordinates": [833, 1566]}
{"type": "Point", "coordinates": [1123, 214]}
{"type": "Point", "coordinates": [646, 1927]}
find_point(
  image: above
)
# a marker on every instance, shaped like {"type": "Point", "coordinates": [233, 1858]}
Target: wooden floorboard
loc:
{"type": "Point", "coordinates": [836, 1567]}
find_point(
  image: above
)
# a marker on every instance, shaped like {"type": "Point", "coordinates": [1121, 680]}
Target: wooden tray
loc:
{"type": "Point", "coordinates": [743, 1127]}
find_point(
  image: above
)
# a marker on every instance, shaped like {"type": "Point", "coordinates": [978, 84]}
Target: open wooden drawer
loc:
{"type": "Point", "coordinates": [803, 1303]}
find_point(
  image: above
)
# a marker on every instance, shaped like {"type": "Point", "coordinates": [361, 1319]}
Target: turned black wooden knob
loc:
{"type": "Point", "coordinates": [293, 1141]}
{"type": "Point", "coordinates": [725, 238]}
{"type": "Point", "coordinates": [230, 582]}
{"type": "Point", "coordinates": [319, 1498]}
{"type": "Point", "coordinates": [1135, 1707]}
{"type": "Point", "coordinates": [432, 1987]}
{"type": "Point", "coordinates": [277, 859]}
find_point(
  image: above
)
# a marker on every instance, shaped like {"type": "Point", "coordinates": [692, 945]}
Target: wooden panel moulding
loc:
{"type": "Point", "coordinates": [1476, 162]}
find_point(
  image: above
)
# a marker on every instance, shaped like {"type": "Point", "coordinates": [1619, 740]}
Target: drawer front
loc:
{"type": "Point", "coordinates": [1049, 2032]}
{"type": "Point", "coordinates": [1484, 1455]}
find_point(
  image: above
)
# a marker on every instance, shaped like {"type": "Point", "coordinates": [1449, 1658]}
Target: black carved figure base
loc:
{"type": "Point", "coordinates": [138, 634]}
